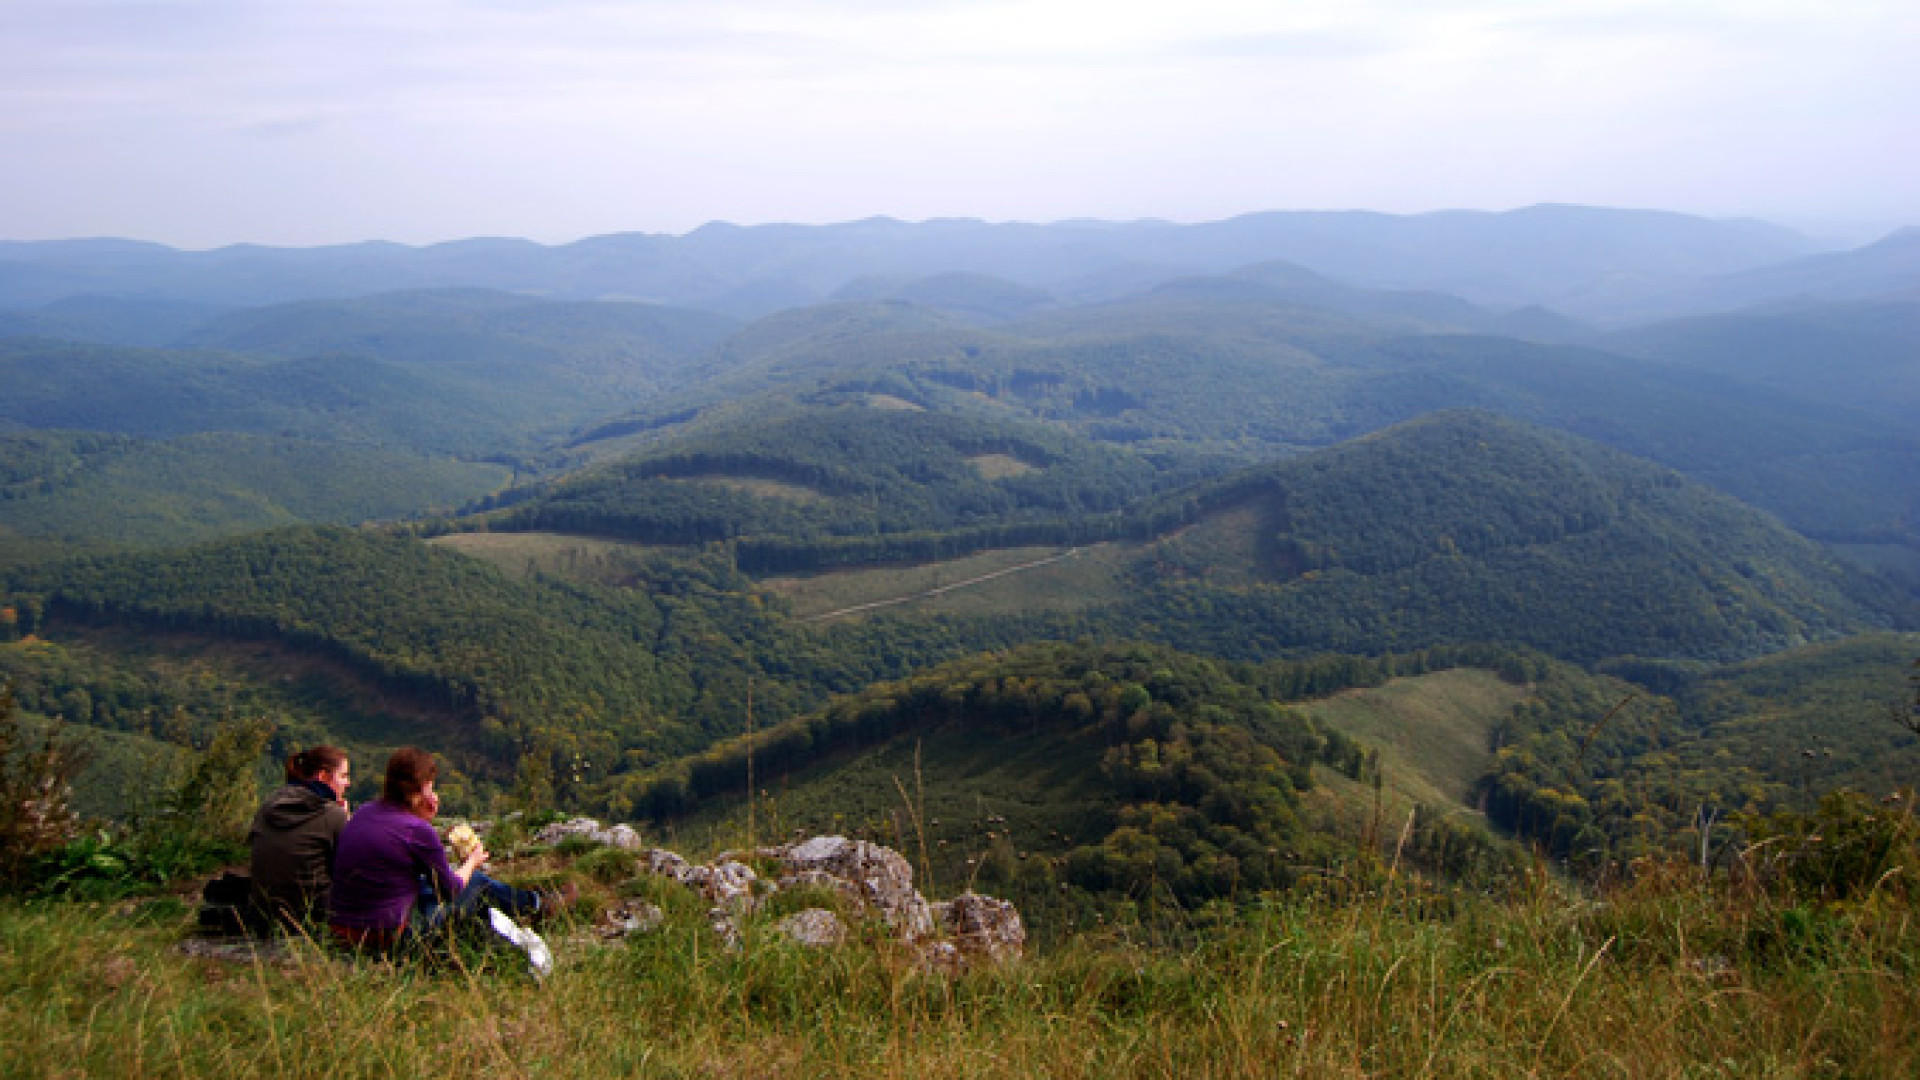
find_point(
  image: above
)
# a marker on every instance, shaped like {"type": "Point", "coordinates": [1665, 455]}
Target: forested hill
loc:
{"type": "Point", "coordinates": [1236, 366]}
{"type": "Point", "coordinates": [470, 372]}
{"type": "Point", "coordinates": [1464, 526]}
{"type": "Point", "coordinates": [599, 671]}
{"type": "Point", "coordinates": [853, 469]}
{"type": "Point", "coordinates": [1125, 767]}
{"type": "Point", "coordinates": [66, 493]}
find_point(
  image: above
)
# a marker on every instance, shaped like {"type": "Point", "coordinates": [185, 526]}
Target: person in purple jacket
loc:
{"type": "Point", "coordinates": [391, 878]}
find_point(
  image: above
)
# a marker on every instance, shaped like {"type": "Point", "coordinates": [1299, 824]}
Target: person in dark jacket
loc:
{"type": "Point", "coordinates": [294, 836]}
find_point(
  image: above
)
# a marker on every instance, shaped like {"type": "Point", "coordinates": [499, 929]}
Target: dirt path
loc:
{"type": "Point", "coordinates": [910, 597]}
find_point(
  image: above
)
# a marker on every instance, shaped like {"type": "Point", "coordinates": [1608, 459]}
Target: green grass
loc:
{"type": "Point", "coordinates": [1091, 576]}
{"type": "Point", "coordinates": [764, 488]}
{"type": "Point", "coordinates": [999, 466]}
{"type": "Point", "coordinates": [1225, 548]}
{"type": "Point", "coordinates": [578, 558]}
{"type": "Point", "coordinates": [1432, 731]}
{"type": "Point", "coordinates": [1671, 981]}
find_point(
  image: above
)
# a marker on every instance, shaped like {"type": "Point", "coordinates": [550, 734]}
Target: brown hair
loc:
{"type": "Point", "coordinates": [308, 764]}
{"type": "Point", "coordinates": [408, 771]}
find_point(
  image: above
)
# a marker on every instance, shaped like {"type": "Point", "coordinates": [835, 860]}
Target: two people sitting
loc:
{"type": "Point", "coordinates": [384, 868]}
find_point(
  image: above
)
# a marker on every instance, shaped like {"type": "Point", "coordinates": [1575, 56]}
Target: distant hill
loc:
{"type": "Point", "coordinates": [1467, 527]}
{"type": "Point", "coordinates": [868, 467]}
{"type": "Point", "coordinates": [613, 348]}
{"type": "Point", "coordinates": [1401, 311]}
{"type": "Point", "coordinates": [1274, 360]}
{"type": "Point", "coordinates": [603, 672]}
{"type": "Point", "coordinates": [973, 296]}
{"type": "Point", "coordinates": [162, 393]}
{"type": "Point", "coordinates": [64, 492]}
{"type": "Point", "coordinates": [1457, 527]}
{"type": "Point", "coordinates": [1864, 355]}
{"type": "Point", "coordinates": [465, 372]}
{"type": "Point", "coordinates": [103, 320]}
{"type": "Point", "coordinates": [1888, 269]}
{"type": "Point", "coordinates": [1536, 255]}
{"type": "Point", "coordinates": [1831, 699]}
{"type": "Point", "coordinates": [1450, 531]}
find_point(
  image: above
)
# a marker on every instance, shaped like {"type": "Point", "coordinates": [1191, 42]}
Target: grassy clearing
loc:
{"type": "Point", "coordinates": [1092, 576]}
{"type": "Point", "coordinates": [1432, 731]}
{"type": "Point", "coordinates": [1225, 548]}
{"type": "Point", "coordinates": [999, 466]}
{"type": "Point", "coordinates": [765, 489]}
{"type": "Point", "coordinates": [1432, 736]}
{"type": "Point", "coordinates": [579, 558]}
{"type": "Point", "coordinates": [1680, 982]}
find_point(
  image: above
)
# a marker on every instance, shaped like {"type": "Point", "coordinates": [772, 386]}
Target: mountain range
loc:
{"type": "Point", "coordinates": [582, 508]}
{"type": "Point", "coordinates": [1584, 261]}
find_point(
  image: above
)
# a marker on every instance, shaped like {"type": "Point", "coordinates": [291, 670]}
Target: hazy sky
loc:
{"type": "Point", "coordinates": [204, 122]}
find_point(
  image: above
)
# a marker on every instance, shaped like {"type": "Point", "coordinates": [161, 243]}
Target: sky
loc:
{"type": "Point", "coordinates": [199, 123]}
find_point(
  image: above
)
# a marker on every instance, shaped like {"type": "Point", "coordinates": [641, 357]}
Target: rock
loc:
{"type": "Point", "coordinates": [664, 863]}
{"type": "Point", "coordinates": [815, 928]}
{"type": "Point", "coordinates": [630, 917]}
{"type": "Point", "coordinates": [620, 836]}
{"type": "Point", "coordinates": [721, 920]}
{"type": "Point", "coordinates": [876, 876]}
{"type": "Point", "coordinates": [981, 927]}
{"type": "Point", "coordinates": [727, 884]}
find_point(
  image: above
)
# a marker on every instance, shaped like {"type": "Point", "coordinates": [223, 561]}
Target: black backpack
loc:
{"type": "Point", "coordinates": [227, 907]}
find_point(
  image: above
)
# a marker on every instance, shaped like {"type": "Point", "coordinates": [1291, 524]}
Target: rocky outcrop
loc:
{"type": "Point", "coordinates": [875, 881]}
{"type": "Point", "coordinates": [877, 878]}
{"type": "Point", "coordinates": [619, 836]}
{"type": "Point", "coordinates": [981, 927]}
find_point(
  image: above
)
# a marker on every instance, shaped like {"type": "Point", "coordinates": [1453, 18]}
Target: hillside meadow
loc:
{"type": "Point", "coordinates": [1673, 977]}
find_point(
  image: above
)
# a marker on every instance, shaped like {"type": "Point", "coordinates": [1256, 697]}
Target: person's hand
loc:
{"type": "Point", "coordinates": [476, 858]}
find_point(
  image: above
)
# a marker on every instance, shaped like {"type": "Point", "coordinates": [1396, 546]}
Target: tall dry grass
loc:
{"type": "Point", "coordinates": [1669, 979]}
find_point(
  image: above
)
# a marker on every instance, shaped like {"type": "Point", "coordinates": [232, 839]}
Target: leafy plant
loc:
{"type": "Point", "coordinates": [35, 786]}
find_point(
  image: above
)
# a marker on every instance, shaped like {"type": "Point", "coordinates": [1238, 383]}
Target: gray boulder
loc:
{"type": "Point", "coordinates": [815, 928]}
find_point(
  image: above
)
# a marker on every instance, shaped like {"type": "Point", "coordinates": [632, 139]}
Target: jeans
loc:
{"type": "Point", "coordinates": [430, 914]}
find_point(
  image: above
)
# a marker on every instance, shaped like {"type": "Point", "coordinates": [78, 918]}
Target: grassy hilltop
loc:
{"type": "Point", "coordinates": [1672, 978]}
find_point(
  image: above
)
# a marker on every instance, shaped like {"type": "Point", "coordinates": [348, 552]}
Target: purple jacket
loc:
{"type": "Point", "coordinates": [384, 852]}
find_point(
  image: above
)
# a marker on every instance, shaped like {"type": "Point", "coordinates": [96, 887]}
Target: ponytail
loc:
{"type": "Point", "coordinates": [310, 763]}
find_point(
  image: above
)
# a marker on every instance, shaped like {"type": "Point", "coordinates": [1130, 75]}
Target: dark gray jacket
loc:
{"type": "Point", "coordinates": [293, 838]}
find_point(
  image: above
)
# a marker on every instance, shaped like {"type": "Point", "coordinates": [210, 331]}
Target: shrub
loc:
{"type": "Point", "coordinates": [199, 824]}
{"type": "Point", "coordinates": [1847, 848]}
{"type": "Point", "coordinates": [35, 784]}
{"type": "Point", "coordinates": [608, 865]}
